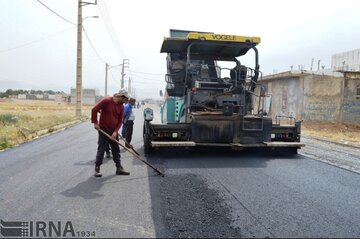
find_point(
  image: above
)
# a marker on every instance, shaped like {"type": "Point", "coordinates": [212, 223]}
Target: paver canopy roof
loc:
{"type": "Point", "coordinates": [210, 44]}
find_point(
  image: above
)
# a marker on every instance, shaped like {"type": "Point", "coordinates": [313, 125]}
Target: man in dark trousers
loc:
{"type": "Point", "coordinates": [111, 111]}
{"type": "Point", "coordinates": [129, 118]}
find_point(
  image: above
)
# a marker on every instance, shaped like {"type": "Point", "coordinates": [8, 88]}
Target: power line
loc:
{"type": "Point", "coordinates": [112, 26]}
{"type": "Point", "coordinates": [113, 78]}
{"type": "Point", "coordinates": [87, 36]}
{"type": "Point", "coordinates": [56, 13]}
{"type": "Point", "coordinates": [35, 41]}
{"type": "Point", "coordinates": [108, 25]}
{"type": "Point", "coordinates": [92, 46]}
{"type": "Point", "coordinates": [148, 81]}
{"type": "Point", "coordinates": [145, 78]}
{"type": "Point", "coordinates": [146, 73]}
{"type": "Point", "coordinates": [110, 29]}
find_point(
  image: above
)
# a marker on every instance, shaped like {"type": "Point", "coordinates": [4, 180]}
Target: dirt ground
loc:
{"type": "Point", "coordinates": [338, 132]}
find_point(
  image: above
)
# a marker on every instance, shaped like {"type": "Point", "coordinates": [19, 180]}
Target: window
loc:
{"type": "Point", "coordinates": [358, 92]}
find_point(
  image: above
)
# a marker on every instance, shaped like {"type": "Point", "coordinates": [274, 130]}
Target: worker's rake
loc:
{"type": "Point", "coordinates": [132, 151]}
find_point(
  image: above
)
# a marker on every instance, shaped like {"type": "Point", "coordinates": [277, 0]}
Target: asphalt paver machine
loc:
{"type": "Point", "coordinates": [212, 99]}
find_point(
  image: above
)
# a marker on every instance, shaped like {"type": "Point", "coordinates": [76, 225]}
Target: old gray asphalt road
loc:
{"type": "Point", "coordinates": [51, 179]}
{"type": "Point", "coordinates": [340, 155]}
{"type": "Point", "coordinates": [204, 193]}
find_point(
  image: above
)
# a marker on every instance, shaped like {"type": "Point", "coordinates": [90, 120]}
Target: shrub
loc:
{"type": "Point", "coordinates": [8, 119]}
{"type": "Point", "coordinates": [4, 143]}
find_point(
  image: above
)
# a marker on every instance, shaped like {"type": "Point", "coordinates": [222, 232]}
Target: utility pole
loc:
{"type": "Point", "coordinates": [107, 67]}
{"type": "Point", "coordinates": [125, 61]}
{"type": "Point", "coordinates": [129, 86]}
{"type": "Point", "coordinates": [79, 58]}
{"type": "Point", "coordinates": [106, 77]}
{"type": "Point", "coordinates": [79, 62]}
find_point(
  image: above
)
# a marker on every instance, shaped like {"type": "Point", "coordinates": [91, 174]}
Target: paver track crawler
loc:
{"type": "Point", "coordinates": [211, 99]}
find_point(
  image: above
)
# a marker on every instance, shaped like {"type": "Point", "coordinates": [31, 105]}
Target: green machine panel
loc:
{"type": "Point", "coordinates": [171, 111]}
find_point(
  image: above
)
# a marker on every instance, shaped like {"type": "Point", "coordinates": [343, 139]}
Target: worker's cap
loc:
{"type": "Point", "coordinates": [124, 93]}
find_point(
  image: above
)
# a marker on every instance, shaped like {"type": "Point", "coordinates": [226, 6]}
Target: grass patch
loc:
{"type": "Point", "coordinates": [4, 144]}
{"type": "Point", "coordinates": [23, 120]}
{"type": "Point", "coordinates": [334, 131]}
{"type": "Point", "coordinates": [8, 119]}
{"type": "Point", "coordinates": [51, 130]}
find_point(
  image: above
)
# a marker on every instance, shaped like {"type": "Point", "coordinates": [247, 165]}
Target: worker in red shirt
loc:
{"type": "Point", "coordinates": [111, 111]}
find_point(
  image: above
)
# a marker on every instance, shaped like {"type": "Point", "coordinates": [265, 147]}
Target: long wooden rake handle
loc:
{"type": "Point", "coordinates": [131, 147]}
{"type": "Point", "coordinates": [135, 154]}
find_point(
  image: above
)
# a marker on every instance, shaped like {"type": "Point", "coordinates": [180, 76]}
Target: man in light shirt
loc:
{"type": "Point", "coordinates": [128, 121]}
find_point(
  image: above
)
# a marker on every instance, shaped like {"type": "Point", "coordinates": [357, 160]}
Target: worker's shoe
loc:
{"type": "Point", "coordinates": [97, 171]}
{"type": "Point", "coordinates": [120, 171]}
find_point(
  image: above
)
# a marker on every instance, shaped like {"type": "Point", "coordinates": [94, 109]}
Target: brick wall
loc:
{"type": "Point", "coordinates": [312, 97]}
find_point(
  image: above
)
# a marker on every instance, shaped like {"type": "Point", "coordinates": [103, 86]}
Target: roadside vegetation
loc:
{"type": "Point", "coordinates": [23, 120]}
{"type": "Point", "coordinates": [11, 92]}
{"type": "Point", "coordinates": [333, 131]}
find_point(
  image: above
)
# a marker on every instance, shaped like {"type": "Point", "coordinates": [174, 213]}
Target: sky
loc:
{"type": "Point", "coordinates": [38, 38]}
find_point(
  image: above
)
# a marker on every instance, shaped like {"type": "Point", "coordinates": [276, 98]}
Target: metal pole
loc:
{"type": "Point", "coordinates": [79, 62]}
{"type": "Point", "coordinates": [122, 74]}
{"type": "Point", "coordinates": [106, 77]}
{"type": "Point", "coordinates": [129, 86]}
